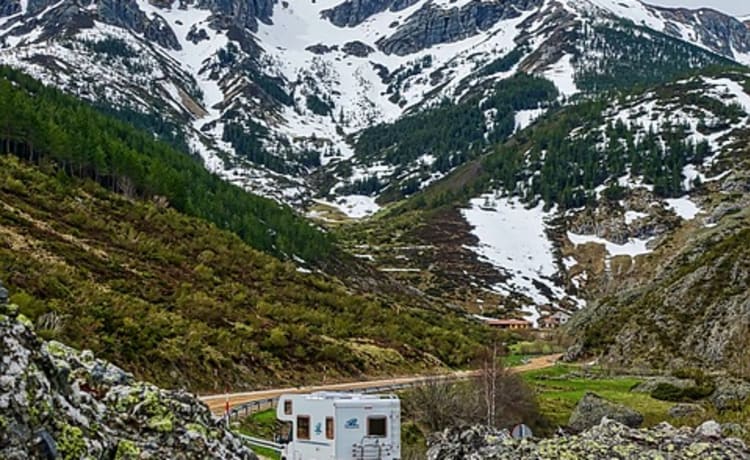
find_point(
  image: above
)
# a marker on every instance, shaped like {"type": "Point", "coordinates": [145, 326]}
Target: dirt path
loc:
{"type": "Point", "coordinates": [217, 403]}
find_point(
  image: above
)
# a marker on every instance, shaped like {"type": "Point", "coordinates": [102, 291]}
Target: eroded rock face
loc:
{"type": "Point", "coordinates": [239, 13]}
{"type": "Point", "coordinates": [351, 13]}
{"type": "Point", "coordinates": [609, 439]}
{"type": "Point", "coordinates": [56, 402]}
{"type": "Point", "coordinates": [9, 7]}
{"type": "Point", "coordinates": [433, 25]}
{"type": "Point", "coordinates": [592, 409]}
{"type": "Point", "coordinates": [723, 34]}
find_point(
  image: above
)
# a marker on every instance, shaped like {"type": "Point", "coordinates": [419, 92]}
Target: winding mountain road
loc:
{"type": "Point", "coordinates": [217, 403]}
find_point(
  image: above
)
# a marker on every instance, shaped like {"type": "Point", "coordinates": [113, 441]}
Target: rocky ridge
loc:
{"type": "Point", "coordinates": [244, 83]}
{"type": "Point", "coordinates": [609, 439]}
{"type": "Point", "coordinates": [56, 402]}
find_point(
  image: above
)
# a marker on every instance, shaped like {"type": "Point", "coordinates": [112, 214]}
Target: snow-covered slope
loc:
{"type": "Point", "coordinates": [269, 92]}
{"type": "Point", "coordinates": [703, 119]}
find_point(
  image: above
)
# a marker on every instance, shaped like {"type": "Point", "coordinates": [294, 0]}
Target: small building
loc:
{"type": "Point", "coordinates": [554, 320]}
{"type": "Point", "coordinates": [511, 323]}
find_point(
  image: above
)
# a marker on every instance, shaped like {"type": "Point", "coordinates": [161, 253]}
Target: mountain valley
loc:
{"type": "Point", "coordinates": [227, 194]}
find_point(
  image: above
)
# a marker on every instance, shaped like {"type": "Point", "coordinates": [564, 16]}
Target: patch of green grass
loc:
{"type": "Point", "coordinates": [260, 424]}
{"type": "Point", "coordinates": [266, 453]}
{"type": "Point", "coordinates": [515, 360]}
{"type": "Point", "coordinates": [558, 392]}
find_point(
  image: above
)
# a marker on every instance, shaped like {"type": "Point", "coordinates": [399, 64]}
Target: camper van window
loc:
{"type": "Point", "coordinates": [303, 427]}
{"type": "Point", "coordinates": [287, 407]}
{"type": "Point", "coordinates": [376, 426]}
{"type": "Point", "coordinates": [329, 427]}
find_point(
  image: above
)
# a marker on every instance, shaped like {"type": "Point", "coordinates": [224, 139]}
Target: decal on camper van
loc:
{"type": "Point", "coordinates": [352, 424]}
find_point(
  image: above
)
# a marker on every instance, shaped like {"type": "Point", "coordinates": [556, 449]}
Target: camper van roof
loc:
{"type": "Point", "coordinates": [348, 396]}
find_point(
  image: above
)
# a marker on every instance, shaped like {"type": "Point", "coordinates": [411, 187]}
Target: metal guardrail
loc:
{"type": "Point", "coordinates": [258, 442]}
{"type": "Point", "coordinates": [247, 409]}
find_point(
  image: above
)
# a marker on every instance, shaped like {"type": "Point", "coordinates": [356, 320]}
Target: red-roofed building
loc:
{"type": "Point", "coordinates": [508, 323]}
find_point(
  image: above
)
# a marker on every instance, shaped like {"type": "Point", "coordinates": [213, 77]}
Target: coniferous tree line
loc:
{"type": "Point", "coordinates": [453, 132]}
{"type": "Point", "coordinates": [565, 170]}
{"type": "Point", "coordinates": [577, 153]}
{"type": "Point", "coordinates": [629, 56]}
{"type": "Point", "coordinates": [45, 126]}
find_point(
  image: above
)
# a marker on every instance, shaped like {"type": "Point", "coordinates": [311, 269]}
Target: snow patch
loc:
{"type": "Point", "coordinates": [633, 248]}
{"type": "Point", "coordinates": [513, 238]}
{"type": "Point", "coordinates": [524, 118]}
{"type": "Point", "coordinates": [354, 206]}
{"type": "Point", "coordinates": [683, 207]}
{"type": "Point", "coordinates": [562, 74]}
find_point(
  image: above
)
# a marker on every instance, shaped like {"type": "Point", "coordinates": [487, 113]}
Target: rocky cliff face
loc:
{"type": "Point", "coordinates": [694, 312]}
{"type": "Point", "coordinates": [432, 25]}
{"type": "Point", "coordinates": [56, 402]}
{"type": "Point", "coordinates": [352, 13]}
{"type": "Point", "coordinates": [9, 7]}
{"type": "Point", "coordinates": [721, 33]}
{"type": "Point", "coordinates": [607, 440]}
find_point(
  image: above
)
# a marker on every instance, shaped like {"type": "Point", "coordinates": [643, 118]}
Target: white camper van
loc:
{"type": "Point", "coordinates": [340, 426]}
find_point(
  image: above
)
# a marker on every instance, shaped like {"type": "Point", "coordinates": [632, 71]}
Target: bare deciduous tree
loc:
{"type": "Point", "coordinates": [495, 397]}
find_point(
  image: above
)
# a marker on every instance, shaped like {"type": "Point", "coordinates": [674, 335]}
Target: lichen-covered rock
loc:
{"type": "Point", "coordinates": [592, 408]}
{"type": "Point", "coordinates": [709, 430]}
{"type": "Point", "coordinates": [56, 402]}
{"type": "Point", "coordinates": [685, 410]}
{"type": "Point", "coordinates": [730, 394]}
{"type": "Point", "coordinates": [608, 440]}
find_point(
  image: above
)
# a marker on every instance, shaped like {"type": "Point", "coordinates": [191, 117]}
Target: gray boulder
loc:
{"type": "Point", "coordinates": [648, 385]}
{"type": "Point", "coordinates": [358, 49]}
{"type": "Point", "coordinates": [606, 440]}
{"type": "Point", "coordinates": [709, 430]}
{"type": "Point", "coordinates": [592, 408]}
{"type": "Point", "coordinates": [730, 394]}
{"type": "Point", "coordinates": [685, 410]}
{"type": "Point", "coordinates": [56, 402]}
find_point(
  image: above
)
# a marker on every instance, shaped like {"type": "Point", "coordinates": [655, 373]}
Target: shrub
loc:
{"type": "Point", "coordinates": [667, 392]}
{"type": "Point", "coordinates": [693, 373]}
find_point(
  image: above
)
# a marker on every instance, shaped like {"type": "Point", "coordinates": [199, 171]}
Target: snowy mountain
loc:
{"type": "Point", "coordinates": [272, 95]}
{"type": "Point", "coordinates": [360, 103]}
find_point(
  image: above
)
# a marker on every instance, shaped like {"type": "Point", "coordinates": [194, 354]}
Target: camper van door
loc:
{"type": "Point", "coordinates": [350, 429]}
{"type": "Point", "coordinates": [352, 424]}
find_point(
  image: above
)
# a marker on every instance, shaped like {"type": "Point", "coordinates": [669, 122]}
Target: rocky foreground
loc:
{"type": "Point", "coordinates": [56, 402]}
{"type": "Point", "coordinates": [608, 440]}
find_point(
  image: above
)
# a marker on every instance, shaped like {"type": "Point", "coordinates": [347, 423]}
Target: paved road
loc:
{"type": "Point", "coordinates": [217, 402]}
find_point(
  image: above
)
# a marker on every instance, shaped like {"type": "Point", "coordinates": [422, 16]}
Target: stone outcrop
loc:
{"type": "Point", "coordinates": [693, 312]}
{"type": "Point", "coordinates": [650, 384]}
{"type": "Point", "coordinates": [730, 394]}
{"type": "Point", "coordinates": [433, 25]}
{"type": "Point", "coordinates": [351, 13]}
{"type": "Point", "coordinates": [721, 33]}
{"type": "Point", "coordinates": [9, 7]}
{"type": "Point", "coordinates": [592, 409]}
{"type": "Point", "coordinates": [609, 439]}
{"type": "Point", "coordinates": [357, 48]}
{"type": "Point", "coordinates": [685, 410]}
{"type": "Point", "coordinates": [56, 402]}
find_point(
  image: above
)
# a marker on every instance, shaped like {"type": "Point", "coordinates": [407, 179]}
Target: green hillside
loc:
{"type": "Point", "coordinates": [182, 303]}
{"type": "Point", "coordinates": [46, 126]}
